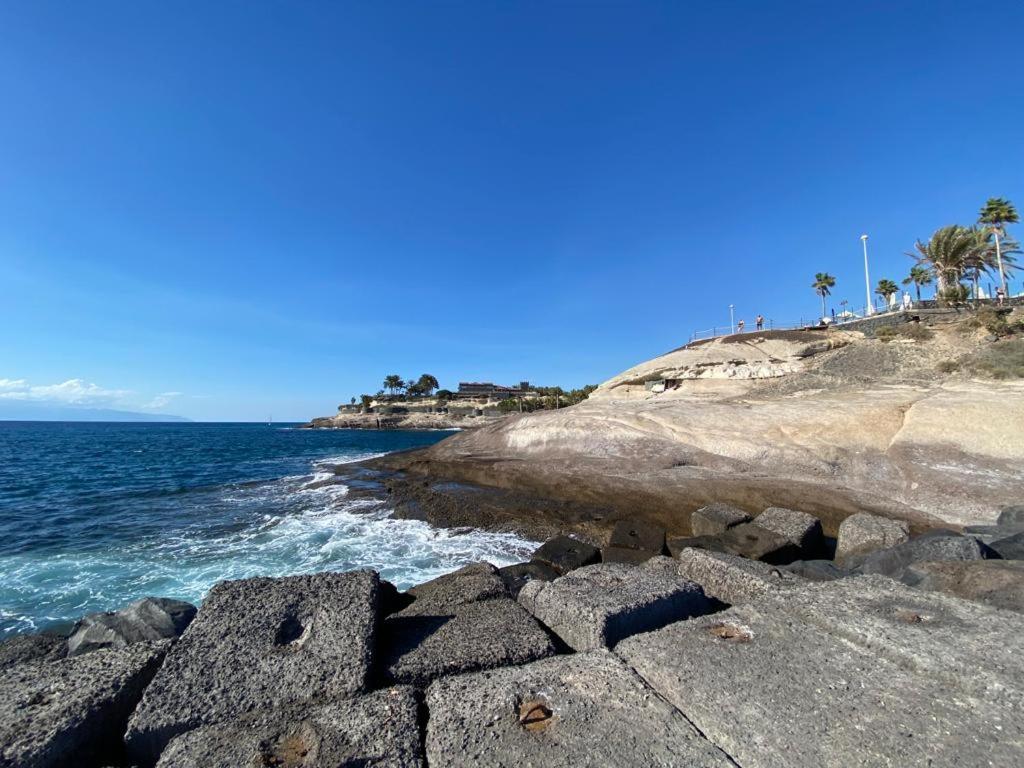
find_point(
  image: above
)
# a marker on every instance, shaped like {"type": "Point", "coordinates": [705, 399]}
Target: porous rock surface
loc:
{"type": "Point", "coordinates": [378, 729]}
{"type": "Point", "coordinates": [999, 583]}
{"type": "Point", "coordinates": [716, 518]}
{"type": "Point", "coordinates": [729, 578]}
{"type": "Point", "coordinates": [578, 710]}
{"type": "Point", "coordinates": [801, 529]}
{"type": "Point", "coordinates": [937, 545]}
{"type": "Point", "coordinates": [72, 709]}
{"type": "Point", "coordinates": [21, 648]}
{"type": "Point", "coordinates": [861, 533]}
{"type": "Point", "coordinates": [599, 605]}
{"type": "Point", "coordinates": [259, 643]}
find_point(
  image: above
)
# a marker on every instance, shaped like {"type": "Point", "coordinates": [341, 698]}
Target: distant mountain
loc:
{"type": "Point", "coordinates": [20, 410]}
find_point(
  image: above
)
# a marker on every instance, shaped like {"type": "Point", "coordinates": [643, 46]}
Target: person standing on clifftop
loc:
{"type": "Point", "coordinates": [759, 322]}
{"type": "Point", "coordinates": [739, 326]}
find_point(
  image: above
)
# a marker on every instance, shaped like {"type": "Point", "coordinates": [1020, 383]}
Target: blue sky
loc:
{"type": "Point", "coordinates": [230, 210]}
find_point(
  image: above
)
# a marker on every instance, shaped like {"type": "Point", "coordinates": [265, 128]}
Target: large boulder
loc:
{"type": "Point", "coordinates": [862, 533]}
{"type": "Point", "coordinates": [753, 542]}
{"type": "Point", "coordinates": [716, 518]}
{"type": "Point", "coordinates": [261, 643]}
{"type": "Point", "coordinates": [999, 583]}
{"type": "Point", "coordinates": [599, 605]}
{"type": "Point", "coordinates": [798, 527]}
{"type": "Point", "coordinates": [1009, 547]}
{"type": "Point", "coordinates": [729, 578]}
{"type": "Point", "coordinates": [518, 576]}
{"type": "Point", "coordinates": [564, 554]}
{"type": "Point", "coordinates": [585, 709]}
{"type": "Point", "coordinates": [72, 711]}
{"type": "Point", "coordinates": [937, 545]}
{"type": "Point", "coordinates": [21, 648]}
{"type": "Point", "coordinates": [145, 620]}
{"type": "Point", "coordinates": [860, 671]}
{"type": "Point", "coordinates": [640, 535]}
{"type": "Point", "coordinates": [379, 729]}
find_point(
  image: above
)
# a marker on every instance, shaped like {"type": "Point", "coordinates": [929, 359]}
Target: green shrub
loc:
{"type": "Point", "coordinates": [885, 334]}
{"type": "Point", "coordinates": [948, 366]}
{"type": "Point", "coordinates": [916, 331]}
{"type": "Point", "coordinates": [1001, 360]}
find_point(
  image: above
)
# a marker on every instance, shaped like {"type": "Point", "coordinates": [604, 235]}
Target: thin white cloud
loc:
{"type": "Point", "coordinates": [78, 392]}
{"type": "Point", "coordinates": [162, 400]}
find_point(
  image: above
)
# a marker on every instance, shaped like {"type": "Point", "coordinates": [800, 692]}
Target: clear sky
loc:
{"type": "Point", "coordinates": [227, 210]}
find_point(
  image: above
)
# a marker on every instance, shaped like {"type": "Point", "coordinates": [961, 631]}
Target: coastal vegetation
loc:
{"type": "Point", "coordinates": [887, 289]}
{"type": "Point", "coordinates": [549, 398]}
{"type": "Point", "coordinates": [822, 285]}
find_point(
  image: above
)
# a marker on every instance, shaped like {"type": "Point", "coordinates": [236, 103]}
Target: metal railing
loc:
{"type": "Point", "coordinates": [840, 318]}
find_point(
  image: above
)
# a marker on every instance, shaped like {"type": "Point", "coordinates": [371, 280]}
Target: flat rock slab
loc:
{"type": "Point", "coordinates": [72, 711]}
{"type": "Point", "coordinates": [999, 583]}
{"type": "Point", "coordinates": [599, 605]}
{"type": "Point", "coordinates": [773, 688]}
{"type": "Point", "coordinates": [261, 643]}
{"type": "Point", "coordinates": [586, 709]}
{"type": "Point", "coordinates": [862, 533]}
{"type": "Point", "coordinates": [716, 518]}
{"type": "Point", "coordinates": [636, 534]}
{"type": "Point", "coordinates": [22, 648]}
{"type": "Point", "coordinates": [564, 554]}
{"type": "Point", "coordinates": [424, 642]}
{"type": "Point", "coordinates": [479, 581]}
{"type": "Point", "coordinates": [751, 541]}
{"type": "Point", "coordinates": [729, 578]}
{"type": "Point", "coordinates": [627, 555]}
{"type": "Point", "coordinates": [798, 527]}
{"type": "Point", "coordinates": [378, 729]}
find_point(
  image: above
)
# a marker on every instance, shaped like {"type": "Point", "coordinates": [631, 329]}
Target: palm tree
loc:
{"type": "Point", "coordinates": [822, 285]}
{"type": "Point", "coordinates": [918, 276]}
{"type": "Point", "coordinates": [887, 289]}
{"type": "Point", "coordinates": [997, 213]}
{"type": "Point", "coordinates": [950, 253]}
{"type": "Point", "coordinates": [426, 384]}
{"type": "Point", "coordinates": [393, 382]}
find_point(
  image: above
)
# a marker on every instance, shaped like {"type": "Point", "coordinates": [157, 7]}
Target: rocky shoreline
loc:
{"type": "Point", "coordinates": [754, 641]}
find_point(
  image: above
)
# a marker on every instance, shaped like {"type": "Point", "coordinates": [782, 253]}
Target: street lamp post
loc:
{"type": "Point", "coordinates": [732, 324]}
{"type": "Point", "coordinates": [867, 280]}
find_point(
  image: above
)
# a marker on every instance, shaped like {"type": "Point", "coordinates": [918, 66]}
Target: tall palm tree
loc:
{"type": "Point", "coordinates": [996, 214]}
{"type": "Point", "coordinates": [918, 276]}
{"type": "Point", "coordinates": [949, 253]}
{"type": "Point", "coordinates": [822, 285]}
{"type": "Point", "coordinates": [887, 289]}
{"type": "Point", "coordinates": [393, 382]}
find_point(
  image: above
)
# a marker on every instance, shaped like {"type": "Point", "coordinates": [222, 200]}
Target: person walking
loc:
{"type": "Point", "coordinates": [759, 322]}
{"type": "Point", "coordinates": [739, 326]}
{"type": "Point", "coordinates": [1000, 295]}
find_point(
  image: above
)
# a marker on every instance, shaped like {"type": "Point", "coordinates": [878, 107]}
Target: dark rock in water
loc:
{"type": "Point", "coordinates": [72, 711]}
{"type": "Point", "coordinates": [564, 554]}
{"type": "Point", "coordinates": [1010, 548]}
{"type": "Point", "coordinates": [756, 543]}
{"type": "Point", "coordinates": [730, 578]}
{"type": "Point", "coordinates": [145, 620]}
{"type": "Point", "coordinates": [261, 643]}
{"type": "Point", "coordinates": [716, 518]}
{"type": "Point", "coordinates": [862, 533]}
{"type": "Point", "coordinates": [599, 605]}
{"type": "Point", "coordinates": [22, 648]}
{"type": "Point", "coordinates": [999, 583]}
{"type": "Point", "coordinates": [798, 527]}
{"type": "Point", "coordinates": [1011, 515]}
{"type": "Point", "coordinates": [678, 544]}
{"type": "Point", "coordinates": [478, 581]}
{"type": "Point", "coordinates": [936, 545]}
{"type": "Point", "coordinates": [517, 576]}
{"type": "Point", "coordinates": [626, 555]}
{"type": "Point", "coordinates": [379, 729]}
{"type": "Point", "coordinates": [636, 534]}
{"type": "Point", "coordinates": [586, 709]}
{"type": "Point", "coordinates": [817, 570]}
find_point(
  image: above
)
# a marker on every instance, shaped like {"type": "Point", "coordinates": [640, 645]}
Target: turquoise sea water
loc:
{"type": "Point", "coordinates": [93, 516]}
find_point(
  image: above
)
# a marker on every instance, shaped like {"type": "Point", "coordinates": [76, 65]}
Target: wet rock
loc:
{"type": "Point", "coordinates": [753, 542]}
{"type": "Point", "coordinates": [817, 570]}
{"type": "Point", "coordinates": [599, 605]}
{"type": "Point", "coordinates": [72, 711]}
{"type": "Point", "coordinates": [430, 640]}
{"type": "Point", "coordinates": [638, 535]}
{"type": "Point", "coordinates": [1012, 514]}
{"type": "Point", "coordinates": [937, 545]}
{"type": "Point", "coordinates": [517, 576]}
{"type": "Point", "coordinates": [730, 578]}
{"type": "Point", "coordinates": [1009, 548]}
{"type": "Point", "coordinates": [999, 583]}
{"type": "Point", "coordinates": [798, 527]}
{"type": "Point", "coordinates": [261, 643]}
{"type": "Point", "coordinates": [859, 671]}
{"type": "Point", "coordinates": [716, 518]}
{"type": "Point", "coordinates": [565, 554]}
{"type": "Point", "coordinates": [379, 729]}
{"type": "Point", "coordinates": [145, 620]}
{"type": "Point", "coordinates": [22, 648]}
{"type": "Point", "coordinates": [478, 581]}
{"type": "Point", "coordinates": [626, 556]}
{"type": "Point", "coordinates": [862, 533]}
{"type": "Point", "coordinates": [585, 709]}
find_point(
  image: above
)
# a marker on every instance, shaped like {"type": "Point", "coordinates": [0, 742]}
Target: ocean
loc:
{"type": "Point", "coordinates": [93, 516]}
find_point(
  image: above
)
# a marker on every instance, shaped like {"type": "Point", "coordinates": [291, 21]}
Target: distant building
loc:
{"type": "Point", "coordinates": [475, 389]}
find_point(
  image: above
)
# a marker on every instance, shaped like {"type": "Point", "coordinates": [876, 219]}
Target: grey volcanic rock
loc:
{"type": "Point", "coordinates": [716, 518]}
{"type": "Point", "coordinates": [756, 543]}
{"type": "Point", "coordinates": [519, 575]}
{"type": "Point", "coordinates": [145, 620]}
{"type": "Point", "coordinates": [813, 686]}
{"type": "Point", "coordinates": [260, 643]}
{"type": "Point", "coordinates": [379, 729]}
{"type": "Point", "coordinates": [817, 570]}
{"type": "Point", "coordinates": [586, 709]}
{"type": "Point", "coordinates": [1010, 547]}
{"type": "Point", "coordinates": [22, 648]}
{"type": "Point", "coordinates": [637, 534]}
{"type": "Point", "coordinates": [729, 578]}
{"type": "Point", "coordinates": [564, 554]}
{"type": "Point", "coordinates": [478, 581]}
{"type": "Point", "coordinates": [999, 583]}
{"type": "Point", "coordinates": [679, 543]}
{"type": "Point", "coordinates": [599, 605]}
{"type": "Point", "coordinates": [936, 545]}
{"type": "Point", "coordinates": [430, 640]}
{"type": "Point", "coordinates": [627, 555]}
{"type": "Point", "coordinates": [1012, 514]}
{"type": "Point", "coordinates": [798, 527]}
{"type": "Point", "coordinates": [72, 711]}
{"type": "Point", "coordinates": [862, 533]}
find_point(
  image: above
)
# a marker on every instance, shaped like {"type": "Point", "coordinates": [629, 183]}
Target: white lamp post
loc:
{"type": "Point", "coordinates": [732, 324]}
{"type": "Point", "coordinates": [867, 280]}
